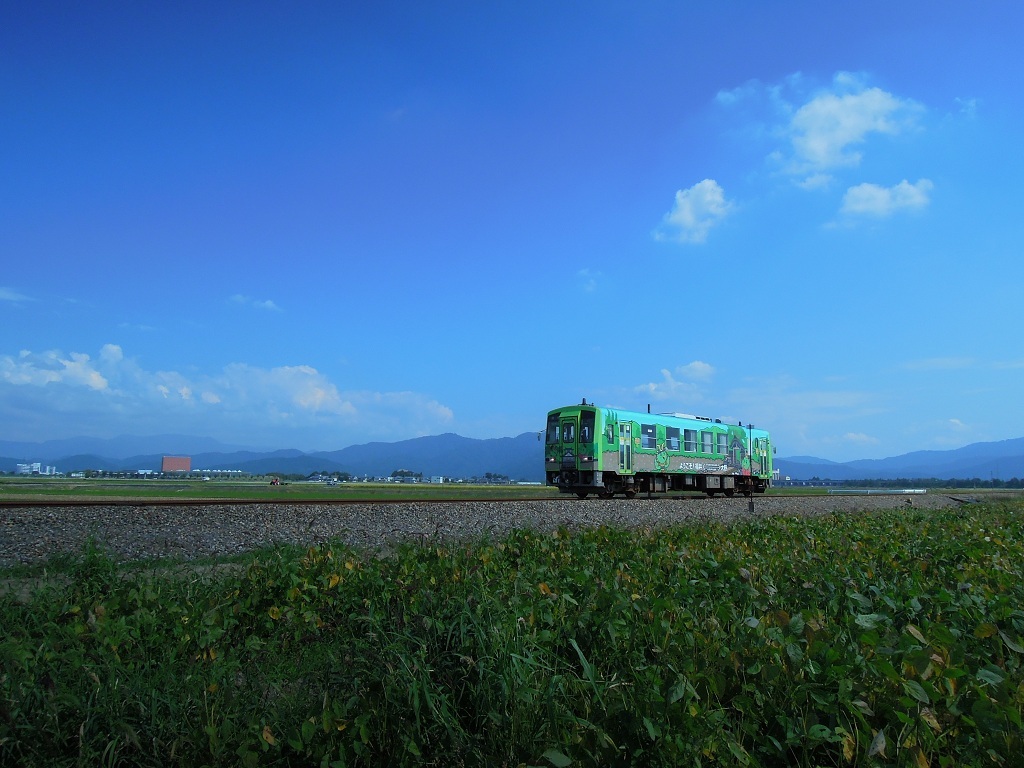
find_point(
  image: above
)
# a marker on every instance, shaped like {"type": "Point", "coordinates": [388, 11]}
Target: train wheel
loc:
{"type": "Point", "coordinates": [630, 494]}
{"type": "Point", "coordinates": [730, 492]}
{"type": "Point", "coordinates": [605, 495]}
{"type": "Point", "coordinates": [581, 494]}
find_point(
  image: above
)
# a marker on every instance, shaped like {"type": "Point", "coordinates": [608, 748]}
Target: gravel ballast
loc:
{"type": "Point", "coordinates": [137, 532]}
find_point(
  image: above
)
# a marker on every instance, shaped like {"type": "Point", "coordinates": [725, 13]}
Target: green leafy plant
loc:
{"type": "Point", "coordinates": [856, 640]}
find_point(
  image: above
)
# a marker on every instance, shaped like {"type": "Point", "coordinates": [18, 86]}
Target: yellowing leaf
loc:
{"type": "Point", "coordinates": [268, 736]}
{"type": "Point", "coordinates": [916, 634]}
{"type": "Point", "coordinates": [275, 613]}
{"type": "Point", "coordinates": [985, 630]}
{"type": "Point", "coordinates": [335, 578]}
{"type": "Point", "coordinates": [544, 588]}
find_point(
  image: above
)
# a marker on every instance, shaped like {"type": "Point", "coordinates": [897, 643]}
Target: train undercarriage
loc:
{"type": "Point", "coordinates": [605, 485]}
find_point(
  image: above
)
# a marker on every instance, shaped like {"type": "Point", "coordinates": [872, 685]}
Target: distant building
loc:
{"type": "Point", "coordinates": [176, 464]}
{"type": "Point", "coordinates": [35, 468]}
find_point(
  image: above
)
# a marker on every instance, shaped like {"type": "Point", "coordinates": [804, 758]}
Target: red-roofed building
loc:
{"type": "Point", "coordinates": [176, 464]}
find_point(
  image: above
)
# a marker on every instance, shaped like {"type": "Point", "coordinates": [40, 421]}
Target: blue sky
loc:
{"type": "Point", "coordinates": [320, 224]}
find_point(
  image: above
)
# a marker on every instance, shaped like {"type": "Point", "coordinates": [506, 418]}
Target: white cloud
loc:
{"type": "Point", "coordinates": [11, 295]}
{"type": "Point", "coordinates": [828, 130]}
{"type": "Point", "coordinates": [967, 107]}
{"type": "Point", "coordinates": [880, 202]}
{"type": "Point", "coordinates": [681, 385]}
{"type": "Point", "coordinates": [696, 211]}
{"type": "Point", "coordinates": [816, 181]}
{"type": "Point", "coordinates": [940, 364]}
{"type": "Point", "coordinates": [111, 353]}
{"type": "Point", "coordinates": [820, 131]}
{"type": "Point", "coordinates": [588, 280]}
{"type": "Point", "coordinates": [287, 390]}
{"type": "Point", "coordinates": [248, 301]}
{"type": "Point", "coordinates": [859, 438]}
{"type": "Point", "coordinates": [696, 370]}
{"type": "Point", "coordinates": [113, 394]}
{"type": "Point", "coordinates": [52, 367]}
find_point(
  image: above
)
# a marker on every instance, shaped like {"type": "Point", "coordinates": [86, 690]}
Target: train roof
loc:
{"type": "Point", "coordinates": [688, 419]}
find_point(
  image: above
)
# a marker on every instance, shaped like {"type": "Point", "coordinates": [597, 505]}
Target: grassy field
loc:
{"type": "Point", "coordinates": [62, 489]}
{"type": "Point", "coordinates": [57, 489]}
{"type": "Point", "coordinates": [894, 638]}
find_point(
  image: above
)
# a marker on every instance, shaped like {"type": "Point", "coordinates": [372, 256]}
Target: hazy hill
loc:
{"type": "Point", "coordinates": [449, 455]}
{"type": "Point", "coordinates": [1003, 459]}
{"type": "Point", "coordinates": [122, 447]}
{"type": "Point", "coordinates": [520, 458]}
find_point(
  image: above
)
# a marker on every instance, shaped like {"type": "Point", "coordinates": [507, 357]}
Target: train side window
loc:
{"type": "Point", "coordinates": [690, 440]}
{"type": "Point", "coordinates": [649, 436]}
{"type": "Point", "coordinates": [586, 427]}
{"type": "Point", "coordinates": [609, 433]}
{"type": "Point", "coordinates": [672, 438]}
{"type": "Point", "coordinates": [552, 436]}
{"type": "Point", "coordinates": [723, 441]}
{"type": "Point", "coordinates": [707, 442]}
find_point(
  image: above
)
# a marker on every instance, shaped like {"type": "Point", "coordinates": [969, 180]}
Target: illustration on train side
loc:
{"type": "Point", "coordinates": [604, 451]}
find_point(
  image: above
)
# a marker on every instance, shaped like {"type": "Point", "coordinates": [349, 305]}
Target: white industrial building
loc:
{"type": "Point", "coordinates": [36, 468]}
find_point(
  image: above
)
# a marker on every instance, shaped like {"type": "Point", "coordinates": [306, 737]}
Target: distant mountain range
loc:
{"type": "Point", "coordinates": [520, 458]}
{"type": "Point", "coordinates": [1002, 460]}
{"type": "Point", "coordinates": [449, 455]}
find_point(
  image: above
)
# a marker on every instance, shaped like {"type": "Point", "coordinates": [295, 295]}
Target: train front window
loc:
{"type": "Point", "coordinates": [568, 432]}
{"type": "Point", "coordinates": [552, 435]}
{"type": "Point", "coordinates": [587, 427]}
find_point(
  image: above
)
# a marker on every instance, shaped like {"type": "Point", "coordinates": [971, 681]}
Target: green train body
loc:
{"type": "Point", "coordinates": [605, 451]}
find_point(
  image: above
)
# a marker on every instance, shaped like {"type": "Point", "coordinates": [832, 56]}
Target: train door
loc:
{"type": "Point", "coordinates": [738, 453]}
{"type": "Point", "coordinates": [570, 446]}
{"type": "Point", "coordinates": [625, 449]}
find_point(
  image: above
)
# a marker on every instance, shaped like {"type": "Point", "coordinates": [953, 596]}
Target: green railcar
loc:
{"type": "Point", "coordinates": [605, 451]}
